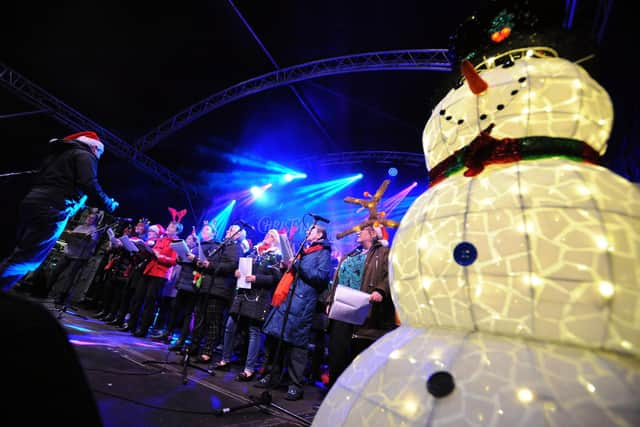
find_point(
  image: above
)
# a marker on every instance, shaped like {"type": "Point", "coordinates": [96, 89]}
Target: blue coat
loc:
{"type": "Point", "coordinates": [313, 273]}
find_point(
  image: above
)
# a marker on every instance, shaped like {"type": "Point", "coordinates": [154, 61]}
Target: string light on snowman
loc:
{"type": "Point", "coordinates": [515, 274]}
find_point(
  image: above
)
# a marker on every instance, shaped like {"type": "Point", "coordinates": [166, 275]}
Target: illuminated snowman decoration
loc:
{"type": "Point", "coordinates": [516, 274]}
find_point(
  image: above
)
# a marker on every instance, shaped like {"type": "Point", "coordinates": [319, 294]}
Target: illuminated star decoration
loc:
{"type": "Point", "coordinates": [375, 218]}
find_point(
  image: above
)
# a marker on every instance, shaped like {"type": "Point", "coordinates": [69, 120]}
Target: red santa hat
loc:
{"type": "Point", "coordinates": [157, 228]}
{"type": "Point", "coordinates": [89, 138]}
{"type": "Point", "coordinates": [382, 234]}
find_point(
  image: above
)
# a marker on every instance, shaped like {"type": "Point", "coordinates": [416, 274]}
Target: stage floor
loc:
{"type": "Point", "coordinates": [138, 382]}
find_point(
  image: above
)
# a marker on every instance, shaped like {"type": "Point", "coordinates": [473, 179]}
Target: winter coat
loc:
{"type": "Point", "coordinates": [219, 279]}
{"type": "Point", "coordinates": [166, 258]}
{"type": "Point", "coordinates": [186, 280]}
{"type": "Point", "coordinates": [255, 303]}
{"type": "Point", "coordinates": [68, 174]}
{"type": "Point", "coordinates": [375, 277]}
{"type": "Point", "coordinates": [312, 274]}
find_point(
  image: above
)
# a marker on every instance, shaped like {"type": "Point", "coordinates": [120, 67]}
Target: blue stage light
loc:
{"type": "Point", "coordinates": [392, 171]}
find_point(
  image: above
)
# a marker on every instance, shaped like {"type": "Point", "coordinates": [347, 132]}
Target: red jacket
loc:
{"type": "Point", "coordinates": [166, 258]}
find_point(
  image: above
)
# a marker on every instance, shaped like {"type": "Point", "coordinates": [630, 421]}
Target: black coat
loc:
{"type": "Point", "coordinates": [219, 279]}
{"type": "Point", "coordinates": [67, 174]}
{"type": "Point", "coordinates": [255, 303]}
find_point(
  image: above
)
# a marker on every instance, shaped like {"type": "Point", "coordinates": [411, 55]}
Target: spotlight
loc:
{"type": "Point", "coordinates": [392, 171]}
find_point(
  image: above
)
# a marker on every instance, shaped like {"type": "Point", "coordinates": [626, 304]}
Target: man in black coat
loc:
{"type": "Point", "coordinates": [68, 177]}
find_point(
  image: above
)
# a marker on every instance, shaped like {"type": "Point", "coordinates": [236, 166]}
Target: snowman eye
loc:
{"type": "Point", "coordinates": [513, 92]}
{"type": "Point", "coordinates": [460, 121]}
{"type": "Point", "coordinates": [500, 107]}
{"type": "Point", "coordinates": [483, 116]}
{"type": "Point", "coordinates": [448, 118]}
{"type": "Point", "coordinates": [442, 112]}
{"type": "Point", "coordinates": [522, 79]}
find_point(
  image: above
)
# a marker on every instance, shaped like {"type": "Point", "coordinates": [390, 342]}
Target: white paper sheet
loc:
{"type": "Point", "coordinates": [350, 305]}
{"type": "Point", "coordinates": [245, 265]}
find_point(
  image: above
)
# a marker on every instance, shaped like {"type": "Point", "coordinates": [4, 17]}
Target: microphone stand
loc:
{"type": "Point", "coordinates": [265, 397]}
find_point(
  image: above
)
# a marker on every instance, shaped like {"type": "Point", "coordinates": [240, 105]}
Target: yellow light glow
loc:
{"type": "Point", "coordinates": [532, 280]}
{"type": "Point", "coordinates": [397, 286]}
{"type": "Point", "coordinates": [626, 345]}
{"type": "Point", "coordinates": [422, 242]}
{"type": "Point", "coordinates": [582, 190]}
{"type": "Point", "coordinates": [426, 283]}
{"type": "Point", "coordinates": [410, 406]}
{"type": "Point", "coordinates": [526, 227]}
{"type": "Point", "coordinates": [525, 395]}
{"type": "Point", "coordinates": [395, 354]}
{"type": "Point", "coordinates": [606, 289]}
{"type": "Point", "coordinates": [412, 360]}
{"type": "Point", "coordinates": [529, 53]}
{"type": "Point", "coordinates": [602, 242]}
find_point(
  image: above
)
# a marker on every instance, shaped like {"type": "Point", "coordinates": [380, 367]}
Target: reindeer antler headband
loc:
{"type": "Point", "coordinates": [375, 218]}
{"type": "Point", "coordinates": [177, 215]}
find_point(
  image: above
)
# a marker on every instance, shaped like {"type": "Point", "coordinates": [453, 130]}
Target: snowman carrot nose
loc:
{"type": "Point", "coordinates": [475, 82]}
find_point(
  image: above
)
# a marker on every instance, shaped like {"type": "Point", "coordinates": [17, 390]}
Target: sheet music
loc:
{"type": "Point", "coordinates": [112, 236]}
{"type": "Point", "coordinates": [245, 265]}
{"type": "Point", "coordinates": [350, 305]}
{"type": "Point", "coordinates": [128, 244]}
{"type": "Point", "coordinates": [180, 246]}
{"type": "Point", "coordinates": [285, 245]}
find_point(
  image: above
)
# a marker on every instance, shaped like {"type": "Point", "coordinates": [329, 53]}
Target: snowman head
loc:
{"type": "Point", "coordinates": [530, 93]}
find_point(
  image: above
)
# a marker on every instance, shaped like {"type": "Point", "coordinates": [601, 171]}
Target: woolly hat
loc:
{"type": "Point", "coordinates": [89, 138]}
{"type": "Point", "coordinates": [381, 234]}
{"type": "Point", "coordinates": [157, 228]}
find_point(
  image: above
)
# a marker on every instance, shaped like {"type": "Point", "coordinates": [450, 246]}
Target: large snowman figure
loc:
{"type": "Point", "coordinates": [516, 275]}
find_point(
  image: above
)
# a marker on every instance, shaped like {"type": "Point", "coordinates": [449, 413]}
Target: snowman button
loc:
{"type": "Point", "coordinates": [440, 384]}
{"type": "Point", "coordinates": [465, 253]}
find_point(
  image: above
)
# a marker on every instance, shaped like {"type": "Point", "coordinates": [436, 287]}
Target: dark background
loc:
{"type": "Point", "coordinates": [131, 66]}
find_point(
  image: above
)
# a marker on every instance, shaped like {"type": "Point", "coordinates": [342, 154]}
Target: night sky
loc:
{"type": "Point", "coordinates": [131, 66]}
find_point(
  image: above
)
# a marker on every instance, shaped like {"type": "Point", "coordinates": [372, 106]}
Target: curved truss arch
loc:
{"type": "Point", "coordinates": [400, 158]}
{"type": "Point", "coordinates": [421, 59]}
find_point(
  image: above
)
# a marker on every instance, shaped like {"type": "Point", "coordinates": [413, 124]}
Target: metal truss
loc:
{"type": "Point", "coordinates": [421, 59]}
{"type": "Point", "coordinates": [71, 118]}
{"type": "Point", "coordinates": [397, 158]}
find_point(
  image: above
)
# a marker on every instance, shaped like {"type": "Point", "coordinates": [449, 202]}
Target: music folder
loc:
{"type": "Point", "coordinates": [350, 305]}
{"type": "Point", "coordinates": [180, 246]}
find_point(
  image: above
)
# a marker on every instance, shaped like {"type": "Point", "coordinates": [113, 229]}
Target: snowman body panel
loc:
{"type": "Point", "coordinates": [519, 280]}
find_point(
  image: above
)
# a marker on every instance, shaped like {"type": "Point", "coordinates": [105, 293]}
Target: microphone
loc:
{"type": "Point", "coordinates": [319, 218]}
{"type": "Point", "coordinates": [122, 219]}
{"type": "Point", "coordinates": [246, 225]}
